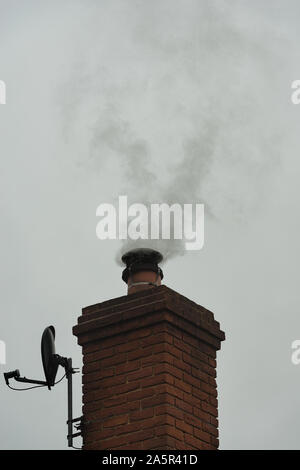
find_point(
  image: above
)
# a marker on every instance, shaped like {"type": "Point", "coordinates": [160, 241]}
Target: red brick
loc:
{"type": "Point", "coordinates": [186, 367]}
{"type": "Point", "coordinates": [164, 356]}
{"type": "Point", "coordinates": [137, 354]}
{"type": "Point", "coordinates": [103, 381]}
{"type": "Point", "coordinates": [116, 421]}
{"type": "Point", "coordinates": [191, 380]}
{"type": "Point", "coordinates": [97, 366]}
{"type": "Point", "coordinates": [192, 420]}
{"type": "Point", "coordinates": [192, 400]}
{"type": "Point", "coordinates": [140, 394]}
{"type": "Point", "coordinates": [126, 347]}
{"type": "Point", "coordinates": [157, 338]}
{"type": "Point", "coordinates": [112, 443]}
{"type": "Point", "coordinates": [167, 327]}
{"type": "Point", "coordinates": [205, 387]}
{"type": "Point", "coordinates": [215, 442]}
{"type": "Point", "coordinates": [208, 370]}
{"type": "Point", "coordinates": [145, 372]}
{"type": "Point", "coordinates": [141, 333]}
{"type": "Point", "coordinates": [202, 415]}
{"type": "Point", "coordinates": [183, 426]}
{"type": "Point", "coordinates": [183, 405]}
{"type": "Point", "coordinates": [174, 391]}
{"type": "Point", "coordinates": [209, 409]}
{"type": "Point", "coordinates": [213, 430]}
{"type": "Point", "coordinates": [155, 443]}
{"type": "Point", "coordinates": [113, 411]}
{"type": "Point", "coordinates": [115, 401]}
{"type": "Point", "coordinates": [127, 367]}
{"type": "Point", "coordinates": [200, 375]}
{"type": "Point", "coordinates": [195, 443]}
{"type": "Point", "coordinates": [157, 379]}
{"type": "Point", "coordinates": [212, 382]}
{"type": "Point", "coordinates": [213, 401]}
{"type": "Point", "coordinates": [141, 414]}
{"type": "Point", "coordinates": [95, 395]}
{"type": "Point", "coordinates": [203, 396]}
{"type": "Point", "coordinates": [124, 388]}
{"type": "Point", "coordinates": [153, 401]}
{"type": "Point", "coordinates": [127, 428]}
{"type": "Point", "coordinates": [214, 421]}
{"type": "Point", "coordinates": [116, 359]}
{"type": "Point", "coordinates": [98, 355]}
{"type": "Point", "coordinates": [141, 435]}
{"type": "Point", "coordinates": [202, 435]}
{"type": "Point", "coordinates": [173, 351]}
{"type": "Point", "coordinates": [92, 436]}
{"type": "Point", "coordinates": [183, 386]}
{"type": "Point", "coordinates": [168, 409]}
{"type": "Point", "coordinates": [179, 344]}
{"type": "Point", "coordinates": [172, 431]}
{"type": "Point", "coordinates": [164, 367]}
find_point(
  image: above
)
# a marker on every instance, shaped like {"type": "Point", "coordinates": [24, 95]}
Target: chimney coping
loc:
{"type": "Point", "coordinates": [159, 299]}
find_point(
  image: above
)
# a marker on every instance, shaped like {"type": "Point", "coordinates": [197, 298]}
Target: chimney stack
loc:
{"type": "Point", "coordinates": [149, 374]}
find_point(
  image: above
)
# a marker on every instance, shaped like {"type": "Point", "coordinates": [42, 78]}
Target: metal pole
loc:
{"type": "Point", "coordinates": [70, 403]}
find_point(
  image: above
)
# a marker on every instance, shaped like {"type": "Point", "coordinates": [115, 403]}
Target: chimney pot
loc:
{"type": "Point", "coordinates": [142, 270]}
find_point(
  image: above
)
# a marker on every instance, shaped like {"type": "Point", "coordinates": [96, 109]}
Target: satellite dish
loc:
{"type": "Point", "coordinates": [50, 363]}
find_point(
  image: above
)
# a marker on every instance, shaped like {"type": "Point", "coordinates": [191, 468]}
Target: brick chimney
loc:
{"type": "Point", "coordinates": [149, 374]}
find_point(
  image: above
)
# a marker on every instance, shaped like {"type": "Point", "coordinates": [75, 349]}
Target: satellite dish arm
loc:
{"type": "Point", "coordinates": [30, 381]}
{"type": "Point", "coordinates": [15, 374]}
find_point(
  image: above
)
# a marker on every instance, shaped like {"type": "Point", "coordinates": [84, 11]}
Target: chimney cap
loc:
{"type": "Point", "coordinates": [142, 255]}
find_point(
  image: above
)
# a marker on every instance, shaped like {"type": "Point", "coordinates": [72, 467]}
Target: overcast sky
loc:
{"type": "Point", "coordinates": [164, 101]}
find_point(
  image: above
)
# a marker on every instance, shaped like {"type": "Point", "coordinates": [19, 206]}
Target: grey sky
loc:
{"type": "Point", "coordinates": [185, 101]}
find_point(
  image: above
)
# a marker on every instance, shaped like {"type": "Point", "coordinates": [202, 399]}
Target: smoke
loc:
{"type": "Point", "coordinates": [133, 153]}
{"type": "Point", "coordinates": [187, 99]}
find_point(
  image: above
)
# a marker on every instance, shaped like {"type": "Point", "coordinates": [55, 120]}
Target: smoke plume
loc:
{"type": "Point", "coordinates": [187, 102]}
